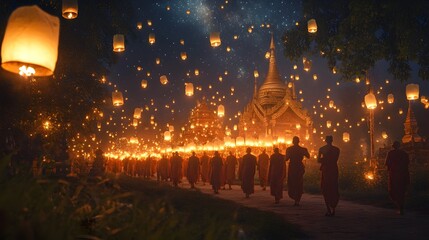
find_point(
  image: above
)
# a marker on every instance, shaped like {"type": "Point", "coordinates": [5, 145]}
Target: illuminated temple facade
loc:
{"type": "Point", "coordinates": [274, 111]}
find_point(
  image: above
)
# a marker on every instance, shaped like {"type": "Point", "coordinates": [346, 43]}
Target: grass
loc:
{"type": "Point", "coordinates": [126, 208]}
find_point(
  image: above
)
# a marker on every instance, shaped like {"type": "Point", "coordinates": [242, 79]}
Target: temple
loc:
{"type": "Point", "coordinates": [274, 111]}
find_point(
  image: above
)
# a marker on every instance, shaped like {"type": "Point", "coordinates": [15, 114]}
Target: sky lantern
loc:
{"type": "Point", "coordinates": [144, 83]}
{"type": "Point", "coordinates": [118, 43]}
{"type": "Point", "coordinates": [267, 55]}
{"type": "Point", "coordinates": [137, 113]}
{"type": "Point", "coordinates": [328, 124]}
{"type": "Point", "coordinates": [135, 122]}
{"type": "Point", "coordinates": [256, 73]}
{"type": "Point", "coordinates": [307, 65]}
{"type": "Point", "coordinates": [167, 136]}
{"type": "Point", "coordinates": [390, 98]}
{"type": "Point", "coordinates": [384, 135]}
{"type": "Point", "coordinates": [163, 79]}
{"type": "Point", "coordinates": [197, 72]}
{"type": "Point", "coordinates": [346, 136]}
{"type": "Point", "coordinates": [149, 23]}
{"type": "Point", "coordinates": [30, 43]}
{"type": "Point", "coordinates": [117, 98]}
{"type": "Point", "coordinates": [412, 91]}
{"type": "Point", "coordinates": [189, 89]}
{"type": "Point", "coordinates": [183, 56]}
{"type": "Point", "coordinates": [151, 38]}
{"type": "Point", "coordinates": [70, 9]}
{"type": "Point", "coordinates": [215, 40]}
{"type": "Point", "coordinates": [139, 25]}
{"type": "Point", "coordinates": [157, 61]}
{"type": "Point", "coordinates": [170, 128]}
{"type": "Point", "coordinates": [221, 110]}
{"type": "Point", "coordinates": [312, 26]}
{"type": "Point", "coordinates": [331, 104]}
{"type": "Point", "coordinates": [370, 101]}
{"type": "Point", "coordinates": [424, 100]}
{"type": "Point", "coordinates": [315, 77]}
{"type": "Point", "coordinates": [182, 42]}
{"type": "Point", "coordinates": [250, 30]}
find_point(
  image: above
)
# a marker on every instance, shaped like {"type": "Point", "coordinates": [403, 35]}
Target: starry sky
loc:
{"type": "Point", "coordinates": [245, 27]}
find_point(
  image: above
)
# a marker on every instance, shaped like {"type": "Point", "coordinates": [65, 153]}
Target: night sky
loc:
{"type": "Point", "coordinates": [172, 22]}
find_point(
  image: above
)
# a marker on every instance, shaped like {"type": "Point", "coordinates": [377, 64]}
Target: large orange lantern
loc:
{"type": "Point", "coordinates": [215, 39]}
{"type": "Point", "coordinates": [346, 137]}
{"type": "Point", "coordinates": [412, 91]}
{"type": "Point", "coordinates": [70, 9]}
{"type": "Point", "coordinates": [118, 43]}
{"type": "Point", "coordinates": [370, 101]}
{"type": "Point", "coordinates": [144, 83]}
{"type": "Point", "coordinates": [30, 43]}
{"type": "Point", "coordinates": [189, 89]}
{"type": "Point", "coordinates": [312, 26]}
{"type": "Point", "coordinates": [137, 113]}
{"type": "Point", "coordinates": [151, 38]}
{"type": "Point", "coordinates": [220, 111]}
{"type": "Point", "coordinates": [117, 98]}
{"type": "Point", "coordinates": [167, 136]}
{"type": "Point", "coordinates": [390, 98]}
{"type": "Point", "coordinates": [163, 79]}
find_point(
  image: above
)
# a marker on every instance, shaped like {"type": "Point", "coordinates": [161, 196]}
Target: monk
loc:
{"type": "Point", "coordinates": [263, 163]}
{"type": "Point", "coordinates": [397, 162]}
{"type": "Point", "coordinates": [231, 162]}
{"type": "Point", "coordinates": [216, 172]}
{"type": "Point", "coordinates": [176, 168]}
{"type": "Point", "coordinates": [328, 157]}
{"type": "Point", "coordinates": [205, 168]}
{"type": "Point", "coordinates": [276, 174]}
{"type": "Point", "coordinates": [193, 169]}
{"type": "Point", "coordinates": [295, 178]}
{"type": "Point", "coordinates": [163, 168]}
{"type": "Point", "coordinates": [248, 174]}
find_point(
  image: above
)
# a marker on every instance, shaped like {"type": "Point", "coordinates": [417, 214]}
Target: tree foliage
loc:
{"type": "Point", "coordinates": [354, 34]}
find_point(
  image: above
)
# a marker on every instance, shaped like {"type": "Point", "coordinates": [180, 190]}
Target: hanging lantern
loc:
{"type": "Point", "coordinates": [144, 83]}
{"type": "Point", "coordinates": [412, 91]}
{"type": "Point", "coordinates": [312, 26]}
{"type": "Point", "coordinates": [215, 39]}
{"type": "Point", "coordinates": [370, 101]}
{"type": "Point", "coordinates": [189, 89]}
{"type": "Point", "coordinates": [256, 73]}
{"type": "Point", "coordinates": [117, 98]}
{"type": "Point", "coordinates": [167, 136]}
{"type": "Point", "coordinates": [390, 98]}
{"type": "Point", "coordinates": [220, 111]}
{"type": "Point", "coordinates": [384, 135]}
{"type": "Point", "coordinates": [346, 137]}
{"type": "Point", "coordinates": [70, 9]}
{"type": "Point", "coordinates": [30, 43]}
{"type": "Point", "coordinates": [307, 65]}
{"type": "Point", "coordinates": [328, 124]}
{"type": "Point", "coordinates": [183, 56]}
{"type": "Point", "coordinates": [137, 113]}
{"type": "Point", "coordinates": [163, 79]}
{"type": "Point", "coordinates": [118, 43]}
{"type": "Point", "coordinates": [151, 38]}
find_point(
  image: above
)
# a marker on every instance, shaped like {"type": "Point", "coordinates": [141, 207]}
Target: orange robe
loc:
{"type": "Point", "coordinates": [205, 168]}
{"type": "Point", "coordinates": [176, 169]}
{"type": "Point", "coordinates": [193, 169]}
{"type": "Point", "coordinates": [216, 172]}
{"type": "Point", "coordinates": [295, 178]}
{"type": "Point", "coordinates": [248, 174]}
{"type": "Point", "coordinates": [276, 175]}
{"type": "Point", "coordinates": [328, 157]}
{"type": "Point", "coordinates": [163, 169]}
{"type": "Point", "coordinates": [231, 162]}
{"type": "Point", "coordinates": [397, 162]}
{"type": "Point", "coordinates": [263, 163]}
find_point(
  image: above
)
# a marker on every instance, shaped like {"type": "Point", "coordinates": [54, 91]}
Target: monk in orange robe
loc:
{"type": "Point", "coordinates": [163, 168]}
{"type": "Point", "coordinates": [193, 169]}
{"type": "Point", "coordinates": [276, 174]}
{"type": "Point", "coordinates": [263, 163]}
{"type": "Point", "coordinates": [397, 162]}
{"type": "Point", "coordinates": [216, 164]}
{"type": "Point", "coordinates": [176, 168]}
{"type": "Point", "coordinates": [205, 168]}
{"type": "Point", "coordinates": [295, 178]}
{"type": "Point", "coordinates": [248, 174]}
{"type": "Point", "coordinates": [231, 162]}
{"type": "Point", "coordinates": [328, 157]}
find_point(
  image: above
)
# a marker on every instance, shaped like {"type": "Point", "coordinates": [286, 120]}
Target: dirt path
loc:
{"type": "Point", "coordinates": [352, 220]}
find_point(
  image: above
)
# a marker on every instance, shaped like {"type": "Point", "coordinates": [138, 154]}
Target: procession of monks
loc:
{"type": "Point", "coordinates": [220, 172]}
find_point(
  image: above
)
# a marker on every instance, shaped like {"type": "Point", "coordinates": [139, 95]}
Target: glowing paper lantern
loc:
{"type": "Point", "coordinates": [390, 98]}
{"type": "Point", "coordinates": [215, 39]}
{"type": "Point", "coordinates": [189, 89]}
{"type": "Point", "coordinates": [151, 38]}
{"type": "Point", "coordinates": [331, 104]}
{"type": "Point", "coordinates": [312, 26]}
{"type": "Point", "coordinates": [163, 79]}
{"type": "Point", "coordinates": [412, 91]}
{"type": "Point", "coordinates": [167, 136]}
{"type": "Point", "coordinates": [139, 25]}
{"type": "Point", "coordinates": [256, 73]}
{"type": "Point", "coordinates": [144, 83]}
{"type": "Point", "coordinates": [137, 113]}
{"type": "Point", "coordinates": [197, 72]}
{"type": "Point", "coordinates": [346, 137]}
{"type": "Point", "coordinates": [328, 124]}
{"type": "Point", "coordinates": [135, 122]}
{"type": "Point", "coordinates": [157, 61]}
{"type": "Point", "coordinates": [370, 101]}
{"type": "Point", "coordinates": [220, 111]}
{"type": "Point", "coordinates": [171, 128]}
{"type": "Point", "coordinates": [70, 9]}
{"type": "Point", "coordinates": [183, 56]}
{"type": "Point", "coordinates": [30, 43]}
{"type": "Point", "coordinates": [118, 43]}
{"type": "Point", "coordinates": [117, 98]}
{"type": "Point", "coordinates": [424, 99]}
{"type": "Point", "coordinates": [307, 65]}
{"type": "Point", "coordinates": [384, 135]}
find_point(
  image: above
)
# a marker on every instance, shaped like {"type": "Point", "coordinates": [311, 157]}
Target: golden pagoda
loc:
{"type": "Point", "coordinates": [204, 125]}
{"type": "Point", "coordinates": [274, 112]}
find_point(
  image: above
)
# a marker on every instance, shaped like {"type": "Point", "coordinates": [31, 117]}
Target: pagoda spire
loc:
{"type": "Point", "coordinates": [410, 127]}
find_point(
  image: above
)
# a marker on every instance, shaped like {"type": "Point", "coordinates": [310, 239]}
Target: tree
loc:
{"type": "Point", "coordinates": [354, 34]}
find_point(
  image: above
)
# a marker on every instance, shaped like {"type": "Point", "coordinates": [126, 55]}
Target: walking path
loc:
{"type": "Point", "coordinates": [352, 220]}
